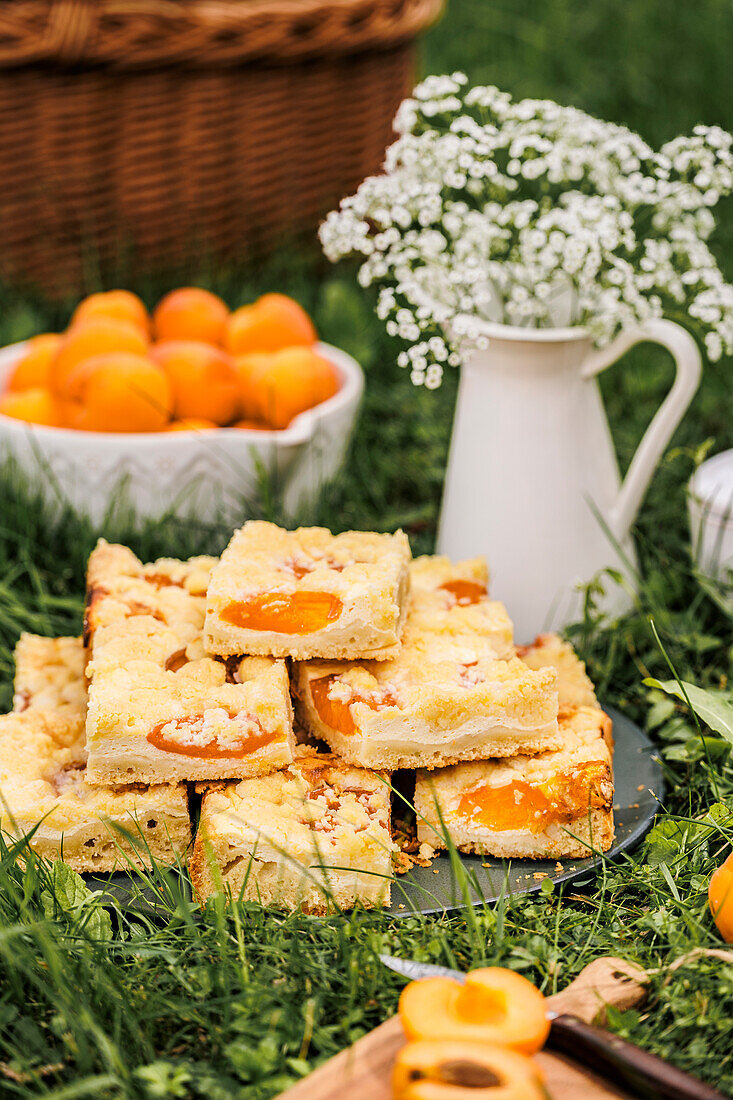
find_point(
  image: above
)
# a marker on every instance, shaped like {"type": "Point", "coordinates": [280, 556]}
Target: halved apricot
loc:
{"type": "Point", "coordinates": [522, 805]}
{"type": "Point", "coordinates": [284, 613]}
{"type": "Point", "coordinates": [33, 369]}
{"type": "Point", "coordinates": [164, 738]}
{"type": "Point", "coordinates": [465, 592]}
{"type": "Point", "coordinates": [459, 1070]}
{"type": "Point", "coordinates": [273, 322]}
{"type": "Point", "coordinates": [190, 313]}
{"type": "Point", "coordinates": [494, 1005]}
{"type": "Point", "coordinates": [276, 388]}
{"type": "Point", "coordinates": [203, 379]}
{"type": "Point", "coordinates": [36, 406]}
{"type": "Point", "coordinates": [336, 713]}
{"type": "Point", "coordinates": [89, 339]}
{"type": "Point", "coordinates": [119, 305]}
{"type": "Point", "coordinates": [117, 393]}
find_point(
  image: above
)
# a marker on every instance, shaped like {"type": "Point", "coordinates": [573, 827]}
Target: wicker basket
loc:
{"type": "Point", "coordinates": [149, 132]}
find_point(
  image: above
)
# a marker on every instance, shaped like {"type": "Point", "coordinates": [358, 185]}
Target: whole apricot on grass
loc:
{"type": "Point", "coordinates": [37, 406]}
{"type": "Point", "coordinates": [203, 379]}
{"type": "Point", "coordinates": [191, 424]}
{"type": "Point", "coordinates": [118, 392]}
{"type": "Point", "coordinates": [276, 388]}
{"type": "Point", "coordinates": [116, 305]}
{"type": "Point", "coordinates": [454, 1070]}
{"type": "Point", "coordinates": [720, 898]}
{"type": "Point", "coordinates": [190, 313]}
{"type": "Point", "coordinates": [33, 369]}
{"type": "Point", "coordinates": [273, 322]}
{"type": "Point", "coordinates": [494, 1005]}
{"type": "Point", "coordinates": [92, 338]}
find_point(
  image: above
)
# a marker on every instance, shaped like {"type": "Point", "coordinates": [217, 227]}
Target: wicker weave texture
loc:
{"type": "Point", "coordinates": [105, 161]}
{"type": "Point", "coordinates": [136, 33]}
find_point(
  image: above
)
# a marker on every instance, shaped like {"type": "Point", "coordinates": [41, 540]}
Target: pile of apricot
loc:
{"type": "Point", "coordinates": [193, 364]}
{"type": "Point", "coordinates": [472, 1040]}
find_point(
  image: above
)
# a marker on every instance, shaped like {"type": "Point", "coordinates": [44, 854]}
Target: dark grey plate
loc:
{"type": "Point", "coordinates": [639, 787]}
{"type": "Point", "coordinates": [435, 889]}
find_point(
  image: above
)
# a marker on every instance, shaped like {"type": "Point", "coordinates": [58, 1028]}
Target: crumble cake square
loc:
{"type": "Point", "coordinates": [42, 774]}
{"type": "Point", "coordinates": [308, 593]}
{"type": "Point", "coordinates": [454, 692]}
{"type": "Point", "coordinates": [160, 709]}
{"type": "Point", "coordinates": [556, 804]}
{"type": "Point", "coordinates": [452, 599]}
{"type": "Point", "coordinates": [315, 835]}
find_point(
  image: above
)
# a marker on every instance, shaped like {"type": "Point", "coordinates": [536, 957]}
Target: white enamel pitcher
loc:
{"type": "Point", "coordinates": [532, 479]}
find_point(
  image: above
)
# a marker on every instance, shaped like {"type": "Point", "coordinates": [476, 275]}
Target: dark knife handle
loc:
{"type": "Point", "coordinates": [624, 1063]}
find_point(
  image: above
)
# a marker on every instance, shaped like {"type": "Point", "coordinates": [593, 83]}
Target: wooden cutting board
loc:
{"type": "Point", "coordinates": [365, 1069]}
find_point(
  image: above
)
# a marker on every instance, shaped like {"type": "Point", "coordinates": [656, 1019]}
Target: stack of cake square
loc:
{"type": "Point", "coordinates": [192, 669]}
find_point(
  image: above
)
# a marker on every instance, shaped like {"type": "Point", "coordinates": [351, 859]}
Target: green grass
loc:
{"type": "Point", "coordinates": [242, 1003]}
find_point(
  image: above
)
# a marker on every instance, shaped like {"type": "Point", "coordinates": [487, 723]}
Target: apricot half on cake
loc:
{"type": "Point", "coordinates": [456, 1070]}
{"type": "Point", "coordinates": [494, 1005]}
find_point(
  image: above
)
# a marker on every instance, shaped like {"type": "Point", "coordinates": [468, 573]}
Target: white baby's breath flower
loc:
{"type": "Point", "coordinates": [534, 214]}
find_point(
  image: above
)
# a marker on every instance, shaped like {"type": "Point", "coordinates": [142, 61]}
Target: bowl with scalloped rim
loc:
{"type": "Point", "coordinates": [214, 476]}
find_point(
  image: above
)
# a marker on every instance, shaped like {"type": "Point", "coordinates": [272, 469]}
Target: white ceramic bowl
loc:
{"type": "Point", "coordinates": [710, 503]}
{"type": "Point", "coordinates": [214, 476]}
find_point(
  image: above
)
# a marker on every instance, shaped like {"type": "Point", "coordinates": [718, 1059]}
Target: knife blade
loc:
{"type": "Point", "coordinates": [414, 970]}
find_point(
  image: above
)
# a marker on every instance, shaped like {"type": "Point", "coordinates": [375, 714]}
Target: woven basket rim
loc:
{"type": "Point", "coordinates": [130, 34]}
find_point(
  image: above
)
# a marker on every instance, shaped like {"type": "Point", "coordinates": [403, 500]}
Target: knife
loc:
{"type": "Point", "coordinates": [645, 1074]}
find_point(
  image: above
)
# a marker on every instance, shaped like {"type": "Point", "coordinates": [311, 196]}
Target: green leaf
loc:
{"type": "Point", "coordinates": [68, 894]}
{"type": "Point", "coordinates": [162, 1079]}
{"type": "Point", "coordinates": [714, 708]}
{"type": "Point", "coordinates": [671, 837]}
{"type": "Point", "coordinates": [665, 841]}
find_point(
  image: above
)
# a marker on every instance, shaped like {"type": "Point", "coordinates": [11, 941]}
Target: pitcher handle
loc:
{"type": "Point", "coordinates": [688, 365]}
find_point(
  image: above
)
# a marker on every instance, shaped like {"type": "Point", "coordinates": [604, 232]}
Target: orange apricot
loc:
{"type": "Point", "coordinates": [37, 406]}
{"type": "Point", "coordinates": [273, 322]}
{"type": "Point", "coordinates": [89, 339]}
{"type": "Point", "coordinates": [494, 1005]}
{"type": "Point", "coordinates": [276, 388]}
{"type": "Point", "coordinates": [465, 592]}
{"type": "Point", "coordinates": [190, 424]}
{"type": "Point", "coordinates": [251, 425]}
{"type": "Point", "coordinates": [284, 613]}
{"type": "Point", "coordinates": [455, 1070]}
{"type": "Point", "coordinates": [163, 737]}
{"type": "Point", "coordinates": [720, 898]}
{"type": "Point", "coordinates": [190, 313]}
{"type": "Point", "coordinates": [336, 712]}
{"type": "Point", "coordinates": [203, 379]}
{"type": "Point", "coordinates": [33, 368]}
{"type": "Point", "coordinates": [522, 805]}
{"type": "Point", "coordinates": [118, 392]}
{"type": "Point", "coordinates": [116, 305]}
